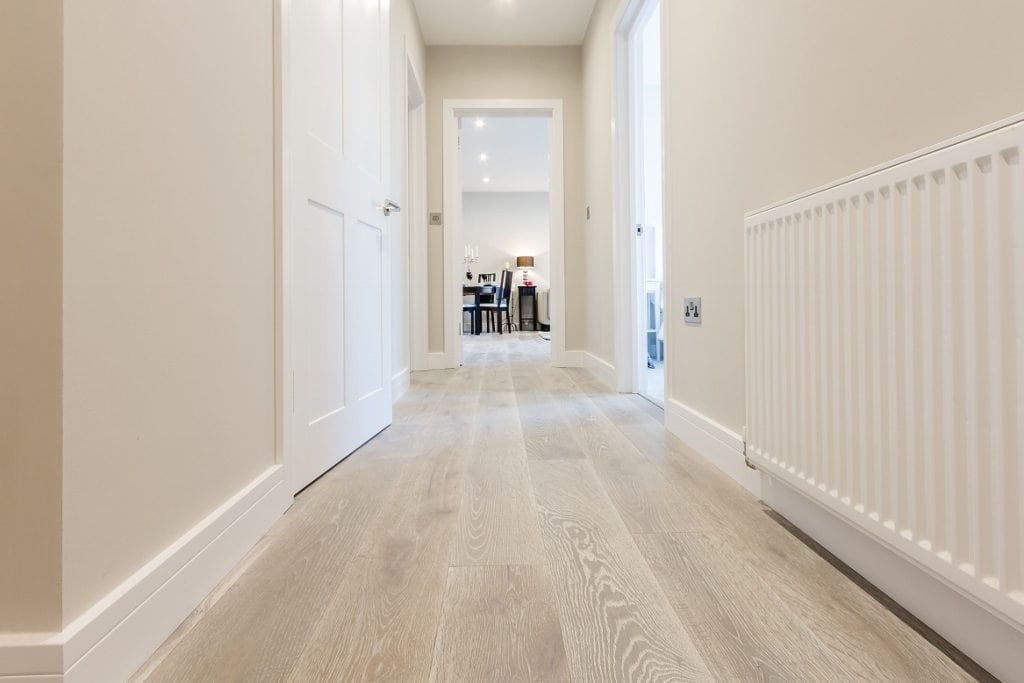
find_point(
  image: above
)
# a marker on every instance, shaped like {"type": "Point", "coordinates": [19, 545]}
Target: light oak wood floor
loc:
{"type": "Point", "coordinates": [521, 522]}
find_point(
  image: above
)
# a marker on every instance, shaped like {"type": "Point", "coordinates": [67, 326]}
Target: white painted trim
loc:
{"type": "Point", "coordinates": [668, 212]}
{"type": "Point", "coordinates": [435, 360]}
{"type": "Point", "coordinates": [452, 109]}
{"type": "Point", "coordinates": [716, 443]}
{"type": "Point", "coordinates": [628, 301]}
{"type": "Point", "coordinates": [622, 233]}
{"type": "Point", "coordinates": [974, 630]}
{"type": "Point", "coordinates": [400, 384]}
{"type": "Point", "coordinates": [284, 389]}
{"type": "Point", "coordinates": [418, 228]}
{"type": "Point", "coordinates": [115, 636]}
{"type": "Point", "coordinates": [600, 369]}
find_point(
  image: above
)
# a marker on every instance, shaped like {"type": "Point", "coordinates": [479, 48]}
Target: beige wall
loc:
{"type": "Point", "coordinates": [30, 311]}
{"type": "Point", "coordinates": [768, 99]}
{"type": "Point", "coordinates": [168, 275]}
{"type": "Point", "coordinates": [511, 73]}
{"type": "Point", "coordinates": [406, 46]}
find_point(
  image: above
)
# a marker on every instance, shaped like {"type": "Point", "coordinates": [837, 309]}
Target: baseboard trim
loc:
{"type": "Point", "coordinates": [601, 369]}
{"type": "Point", "coordinates": [115, 636]}
{"type": "Point", "coordinates": [974, 630]}
{"type": "Point", "coordinates": [437, 360]}
{"type": "Point", "coordinates": [716, 443]}
{"type": "Point", "coordinates": [400, 384]}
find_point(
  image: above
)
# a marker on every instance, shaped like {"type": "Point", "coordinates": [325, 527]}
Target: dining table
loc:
{"type": "Point", "coordinates": [477, 291]}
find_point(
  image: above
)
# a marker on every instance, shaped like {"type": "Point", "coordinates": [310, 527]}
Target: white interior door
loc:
{"type": "Point", "coordinates": [337, 294]}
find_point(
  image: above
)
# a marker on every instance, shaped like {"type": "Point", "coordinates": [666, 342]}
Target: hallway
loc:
{"type": "Point", "coordinates": [520, 522]}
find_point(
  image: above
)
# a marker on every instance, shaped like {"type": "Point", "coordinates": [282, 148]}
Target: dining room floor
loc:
{"type": "Point", "coordinates": [522, 522]}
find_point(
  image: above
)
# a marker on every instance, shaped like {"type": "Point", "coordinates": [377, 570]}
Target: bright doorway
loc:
{"type": "Point", "coordinates": [469, 249]}
{"type": "Point", "coordinates": [506, 209]}
{"type": "Point", "coordinates": [643, 49]}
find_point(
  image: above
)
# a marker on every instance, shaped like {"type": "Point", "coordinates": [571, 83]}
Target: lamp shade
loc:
{"type": "Point", "coordinates": [524, 262]}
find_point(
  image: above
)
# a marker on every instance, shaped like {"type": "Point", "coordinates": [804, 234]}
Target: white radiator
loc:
{"type": "Point", "coordinates": [885, 356]}
{"type": "Point", "coordinates": [543, 307]}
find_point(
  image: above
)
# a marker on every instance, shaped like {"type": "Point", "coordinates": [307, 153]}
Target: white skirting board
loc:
{"type": "Point", "coordinates": [718, 444]}
{"type": "Point", "coordinates": [601, 369]}
{"type": "Point", "coordinates": [435, 360]}
{"type": "Point", "coordinates": [118, 634]}
{"type": "Point", "coordinates": [974, 630]}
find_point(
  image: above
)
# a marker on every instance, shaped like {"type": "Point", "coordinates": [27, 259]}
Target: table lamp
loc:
{"type": "Point", "coordinates": [524, 263]}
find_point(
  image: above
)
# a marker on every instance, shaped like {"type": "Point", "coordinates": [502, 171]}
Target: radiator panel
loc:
{"type": "Point", "coordinates": [885, 357]}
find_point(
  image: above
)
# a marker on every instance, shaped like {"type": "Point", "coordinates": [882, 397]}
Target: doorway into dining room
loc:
{"type": "Point", "coordinates": [503, 196]}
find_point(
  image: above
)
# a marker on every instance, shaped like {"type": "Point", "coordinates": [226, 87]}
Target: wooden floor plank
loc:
{"type": "Point", "coordinates": [499, 623]}
{"type": "Point", "coordinates": [382, 617]}
{"type": "Point", "coordinates": [616, 623]}
{"type": "Point", "coordinates": [545, 432]}
{"type": "Point", "coordinates": [645, 500]}
{"type": "Point", "coordinates": [739, 626]}
{"type": "Point", "coordinates": [497, 521]}
{"type": "Point", "coordinates": [559, 502]}
{"type": "Point", "coordinates": [846, 618]}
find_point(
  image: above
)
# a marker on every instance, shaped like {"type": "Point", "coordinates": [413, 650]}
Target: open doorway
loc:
{"type": "Point", "coordinates": [504, 213]}
{"type": "Point", "coordinates": [506, 231]}
{"type": "Point", "coordinates": [641, 107]}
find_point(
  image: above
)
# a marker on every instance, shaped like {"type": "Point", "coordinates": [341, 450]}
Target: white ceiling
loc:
{"type": "Point", "coordinates": [504, 22]}
{"type": "Point", "coordinates": [517, 154]}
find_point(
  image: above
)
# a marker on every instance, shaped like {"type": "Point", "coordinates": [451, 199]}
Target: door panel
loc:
{"type": "Point", "coordinates": [322, 279]}
{"type": "Point", "coordinates": [338, 239]}
{"type": "Point", "coordinates": [364, 318]}
{"type": "Point", "coordinates": [362, 85]}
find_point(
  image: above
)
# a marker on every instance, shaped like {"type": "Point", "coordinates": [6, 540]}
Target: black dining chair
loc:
{"type": "Point", "coordinates": [480, 293]}
{"type": "Point", "coordinates": [501, 303]}
{"type": "Point", "coordinates": [487, 278]}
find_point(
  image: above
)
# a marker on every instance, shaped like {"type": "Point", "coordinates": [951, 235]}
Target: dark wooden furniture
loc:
{"type": "Point", "coordinates": [488, 279]}
{"type": "Point", "coordinates": [476, 291]}
{"type": "Point", "coordinates": [527, 292]}
{"type": "Point", "coordinates": [501, 303]}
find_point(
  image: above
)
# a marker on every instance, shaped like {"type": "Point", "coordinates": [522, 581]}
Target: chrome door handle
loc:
{"type": "Point", "coordinates": [388, 206]}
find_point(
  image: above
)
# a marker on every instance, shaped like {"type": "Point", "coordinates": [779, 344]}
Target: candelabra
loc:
{"type": "Point", "coordinates": [471, 256]}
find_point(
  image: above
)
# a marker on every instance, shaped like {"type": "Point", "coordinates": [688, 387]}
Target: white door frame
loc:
{"type": "Point", "coordinates": [416, 215]}
{"type": "Point", "coordinates": [624, 160]}
{"type": "Point", "coordinates": [452, 110]}
{"type": "Point", "coordinates": [284, 373]}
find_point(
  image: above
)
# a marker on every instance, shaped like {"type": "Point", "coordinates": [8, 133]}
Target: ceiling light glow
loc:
{"type": "Point", "coordinates": [483, 156]}
{"type": "Point", "coordinates": [487, 180]}
{"type": "Point", "coordinates": [480, 123]}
